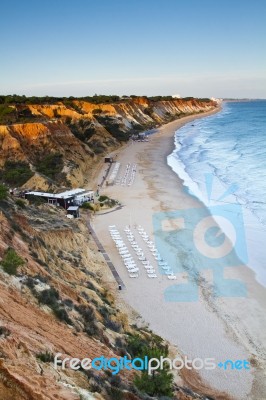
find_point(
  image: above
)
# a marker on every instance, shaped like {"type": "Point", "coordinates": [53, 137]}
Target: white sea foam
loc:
{"type": "Point", "coordinates": [232, 147]}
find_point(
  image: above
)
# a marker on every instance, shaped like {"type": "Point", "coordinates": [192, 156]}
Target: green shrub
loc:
{"type": "Point", "coordinates": [45, 357]}
{"type": "Point", "coordinates": [3, 192]}
{"type": "Point", "coordinates": [87, 313]}
{"type": "Point", "coordinates": [61, 314]}
{"type": "Point", "coordinates": [103, 198]}
{"type": "Point", "coordinates": [36, 200]}
{"type": "Point", "coordinates": [16, 173]}
{"type": "Point", "coordinates": [50, 165]}
{"type": "Point", "coordinates": [160, 383]}
{"type": "Point", "coordinates": [11, 261]}
{"type": "Point", "coordinates": [49, 297]}
{"type": "Point", "coordinates": [5, 113]}
{"type": "Point", "coordinates": [20, 203]}
{"type": "Point", "coordinates": [92, 330]}
{"type": "Point", "coordinates": [87, 206]}
{"type": "Point", "coordinates": [113, 325]}
{"type": "Point", "coordinates": [115, 393]}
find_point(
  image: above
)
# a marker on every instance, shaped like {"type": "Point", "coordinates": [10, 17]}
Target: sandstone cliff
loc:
{"type": "Point", "coordinates": [82, 133]}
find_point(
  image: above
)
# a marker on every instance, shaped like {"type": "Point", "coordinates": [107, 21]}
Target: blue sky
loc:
{"type": "Point", "coordinates": [192, 48]}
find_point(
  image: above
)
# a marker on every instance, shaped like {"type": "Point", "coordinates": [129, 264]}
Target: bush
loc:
{"type": "Point", "coordinates": [20, 203]}
{"type": "Point", "coordinates": [16, 173]}
{"type": "Point", "coordinates": [87, 313]}
{"type": "Point", "coordinates": [11, 262]}
{"type": "Point", "coordinates": [115, 393]}
{"type": "Point", "coordinates": [49, 297]}
{"type": "Point", "coordinates": [5, 113]}
{"type": "Point", "coordinates": [37, 201]}
{"type": "Point", "coordinates": [103, 198]}
{"type": "Point", "coordinates": [45, 357]}
{"type": "Point", "coordinates": [4, 332]}
{"type": "Point", "coordinates": [160, 383]}
{"type": "Point", "coordinates": [50, 165]}
{"type": "Point", "coordinates": [92, 330]}
{"type": "Point", "coordinates": [30, 282]}
{"type": "Point", "coordinates": [61, 314]}
{"type": "Point", "coordinates": [87, 206]}
{"type": "Point", "coordinates": [113, 325]}
{"type": "Point", "coordinates": [3, 192]}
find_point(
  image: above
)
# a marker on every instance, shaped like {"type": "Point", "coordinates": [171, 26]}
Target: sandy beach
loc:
{"type": "Point", "coordinates": [222, 328]}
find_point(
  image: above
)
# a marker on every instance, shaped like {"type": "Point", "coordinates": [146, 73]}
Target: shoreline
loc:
{"type": "Point", "coordinates": [234, 322]}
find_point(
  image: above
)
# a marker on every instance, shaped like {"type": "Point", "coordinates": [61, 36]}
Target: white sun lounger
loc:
{"type": "Point", "coordinates": [128, 259]}
{"type": "Point", "coordinates": [171, 276]}
{"type": "Point", "coordinates": [142, 259]}
{"type": "Point", "coordinates": [130, 266]}
{"type": "Point", "coordinates": [134, 275]}
{"type": "Point", "coordinates": [125, 256]}
{"type": "Point", "coordinates": [133, 269]}
{"type": "Point", "coordinates": [145, 262]}
{"type": "Point", "coordinates": [152, 275]}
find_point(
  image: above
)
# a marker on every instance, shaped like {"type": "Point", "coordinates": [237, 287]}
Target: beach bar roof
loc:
{"type": "Point", "coordinates": [63, 199]}
{"type": "Point", "coordinates": [64, 195]}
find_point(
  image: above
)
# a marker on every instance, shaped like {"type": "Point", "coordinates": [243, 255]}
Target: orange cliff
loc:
{"type": "Point", "coordinates": [83, 132]}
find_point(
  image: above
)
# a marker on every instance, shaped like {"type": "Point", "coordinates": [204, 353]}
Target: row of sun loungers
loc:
{"type": "Point", "coordinates": [161, 263]}
{"type": "Point", "coordinates": [127, 258]}
{"type": "Point", "coordinates": [129, 176]}
{"type": "Point", "coordinates": [150, 271]}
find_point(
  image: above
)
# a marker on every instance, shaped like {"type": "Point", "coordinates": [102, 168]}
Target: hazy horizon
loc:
{"type": "Point", "coordinates": [198, 49]}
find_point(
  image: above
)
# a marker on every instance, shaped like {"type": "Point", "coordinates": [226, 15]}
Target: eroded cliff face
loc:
{"type": "Point", "coordinates": [58, 255]}
{"type": "Point", "coordinates": [62, 300]}
{"type": "Point", "coordinates": [83, 132]}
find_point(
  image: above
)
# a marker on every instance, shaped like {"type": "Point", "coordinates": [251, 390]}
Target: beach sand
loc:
{"type": "Point", "coordinates": [221, 328]}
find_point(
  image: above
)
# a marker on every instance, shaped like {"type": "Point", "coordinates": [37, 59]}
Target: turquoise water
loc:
{"type": "Point", "coordinates": [229, 147]}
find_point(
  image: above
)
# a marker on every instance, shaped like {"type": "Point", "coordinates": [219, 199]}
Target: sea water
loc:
{"type": "Point", "coordinates": [227, 151]}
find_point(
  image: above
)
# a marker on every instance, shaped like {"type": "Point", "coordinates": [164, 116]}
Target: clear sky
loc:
{"type": "Point", "coordinates": [195, 48]}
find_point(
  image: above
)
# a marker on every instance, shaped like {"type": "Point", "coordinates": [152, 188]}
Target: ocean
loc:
{"type": "Point", "coordinates": [222, 160]}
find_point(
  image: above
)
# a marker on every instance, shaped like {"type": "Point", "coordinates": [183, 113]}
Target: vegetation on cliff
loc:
{"type": "Point", "coordinates": [59, 300]}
